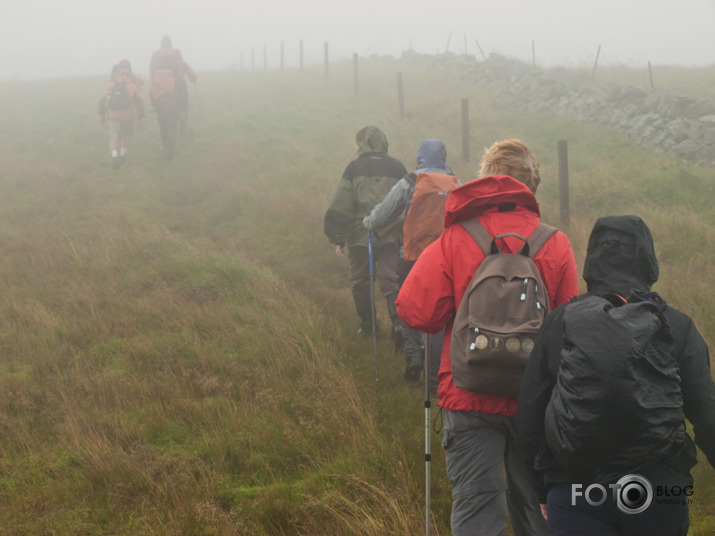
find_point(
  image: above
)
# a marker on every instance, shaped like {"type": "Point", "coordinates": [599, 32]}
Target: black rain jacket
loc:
{"type": "Point", "coordinates": [620, 259]}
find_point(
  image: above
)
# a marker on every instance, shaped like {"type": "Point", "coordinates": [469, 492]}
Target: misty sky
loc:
{"type": "Point", "coordinates": [54, 38]}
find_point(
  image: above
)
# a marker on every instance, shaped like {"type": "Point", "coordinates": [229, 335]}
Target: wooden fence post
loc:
{"type": "Point", "coordinates": [481, 51]}
{"type": "Point", "coordinates": [326, 60]}
{"type": "Point", "coordinates": [465, 130]}
{"type": "Point", "coordinates": [564, 182]}
{"type": "Point", "coordinates": [400, 95]}
{"type": "Point", "coordinates": [355, 73]}
{"type": "Point", "coordinates": [650, 73]}
{"type": "Point", "coordinates": [595, 63]}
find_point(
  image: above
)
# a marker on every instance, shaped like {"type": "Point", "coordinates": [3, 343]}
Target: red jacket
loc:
{"type": "Point", "coordinates": [434, 287]}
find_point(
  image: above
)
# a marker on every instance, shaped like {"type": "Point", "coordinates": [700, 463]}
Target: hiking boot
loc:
{"type": "Point", "coordinates": [365, 329]}
{"type": "Point", "coordinates": [412, 373]}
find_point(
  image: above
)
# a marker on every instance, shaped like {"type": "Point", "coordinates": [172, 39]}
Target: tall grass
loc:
{"type": "Point", "coordinates": [177, 339]}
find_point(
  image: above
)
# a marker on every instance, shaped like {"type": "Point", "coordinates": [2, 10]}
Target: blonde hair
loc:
{"type": "Point", "coordinates": [511, 157]}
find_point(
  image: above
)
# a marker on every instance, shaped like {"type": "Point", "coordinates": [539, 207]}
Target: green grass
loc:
{"type": "Point", "coordinates": [177, 345]}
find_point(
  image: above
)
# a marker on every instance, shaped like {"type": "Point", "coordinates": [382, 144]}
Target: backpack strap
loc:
{"type": "Point", "coordinates": [445, 167]}
{"type": "Point", "coordinates": [539, 237]}
{"type": "Point", "coordinates": [481, 236]}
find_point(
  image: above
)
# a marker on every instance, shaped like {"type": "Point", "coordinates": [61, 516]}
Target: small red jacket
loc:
{"type": "Point", "coordinates": [431, 294]}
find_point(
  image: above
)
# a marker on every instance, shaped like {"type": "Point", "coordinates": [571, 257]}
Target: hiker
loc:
{"type": "Point", "coordinates": [118, 106]}
{"type": "Point", "coordinates": [168, 94]}
{"type": "Point", "coordinates": [479, 438]}
{"type": "Point", "coordinates": [125, 63]}
{"type": "Point", "coordinates": [648, 442]}
{"type": "Point", "coordinates": [419, 230]}
{"type": "Point", "coordinates": [365, 182]}
{"type": "Point", "coordinates": [167, 57]}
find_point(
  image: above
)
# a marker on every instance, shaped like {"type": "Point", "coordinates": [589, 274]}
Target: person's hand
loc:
{"type": "Point", "coordinates": [367, 222]}
{"type": "Point", "coordinates": [543, 511]}
{"type": "Point", "coordinates": [340, 251]}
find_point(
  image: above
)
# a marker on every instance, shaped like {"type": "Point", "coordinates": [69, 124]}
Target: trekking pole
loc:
{"type": "Point", "coordinates": [428, 455]}
{"type": "Point", "coordinates": [372, 300]}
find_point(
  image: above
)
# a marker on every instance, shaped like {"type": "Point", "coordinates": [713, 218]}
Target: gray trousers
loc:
{"type": "Point", "coordinates": [489, 478]}
{"type": "Point", "coordinates": [385, 259]}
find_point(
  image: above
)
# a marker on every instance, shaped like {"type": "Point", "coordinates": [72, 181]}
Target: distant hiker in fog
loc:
{"type": "Point", "coordinates": [365, 182]}
{"type": "Point", "coordinates": [167, 57]}
{"type": "Point", "coordinates": [418, 199]}
{"type": "Point", "coordinates": [479, 438]}
{"type": "Point", "coordinates": [169, 93]}
{"type": "Point", "coordinates": [118, 106]}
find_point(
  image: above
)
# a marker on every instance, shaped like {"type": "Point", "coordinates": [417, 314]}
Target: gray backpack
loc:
{"type": "Point", "coordinates": [500, 314]}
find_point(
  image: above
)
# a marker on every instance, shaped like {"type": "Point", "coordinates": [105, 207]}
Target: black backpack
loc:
{"type": "Point", "coordinates": [617, 404]}
{"type": "Point", "coordinates": [118, 98]}
{"type": "Point", "coordinates": [500, 314]}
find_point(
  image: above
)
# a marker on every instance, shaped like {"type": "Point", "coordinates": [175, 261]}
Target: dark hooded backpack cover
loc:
{"type": "Point", "coordinates": [617, 404]}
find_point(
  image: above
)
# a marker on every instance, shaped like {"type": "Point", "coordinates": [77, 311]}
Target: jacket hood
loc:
{"type": "Point", "coordinates": [620, 257]}
{"type": "Point", "coordinates": [471, 199]}
{"type": "Point", "coordinates": [431, 153]}
{"type": "Point", "coordinates": [371, 140]}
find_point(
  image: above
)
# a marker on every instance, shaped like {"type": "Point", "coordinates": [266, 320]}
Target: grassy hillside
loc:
{"type": "Point", "coordinates": [177, 339]}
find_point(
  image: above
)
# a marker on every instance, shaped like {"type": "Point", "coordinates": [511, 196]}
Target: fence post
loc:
{"type": "Point", "coordinates": [326, 60]}
{"type": "Point", "coordinates": [564, 182]}
{"type": "Point", "coordinates": [481, 51]}
{"type": "Point", "coordinates": [595, 63]}
{"type": "Point", "coordinates": [465, 130]}
{"type": "Point", "coordinates": [355, 73]}
{"type": "Point", "coordinates": [400, 95]}
{"type": "Point", "coordinates": [650, 73]}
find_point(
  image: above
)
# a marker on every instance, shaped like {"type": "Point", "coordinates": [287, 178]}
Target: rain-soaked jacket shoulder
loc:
{"type": "Point", "coordinates": [434, 288]}
{"type": "Point", "coordinates": [365, 183]}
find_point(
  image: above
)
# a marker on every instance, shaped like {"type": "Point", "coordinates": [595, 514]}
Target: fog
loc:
{"type": "Point", "coordinates": [47, 38]}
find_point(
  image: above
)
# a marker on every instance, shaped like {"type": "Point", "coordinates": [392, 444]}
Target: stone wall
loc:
{"type": "Point", "coordinates": [681, 126]}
